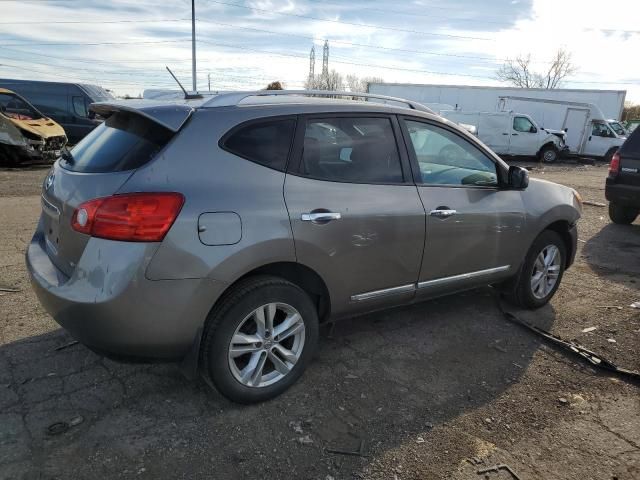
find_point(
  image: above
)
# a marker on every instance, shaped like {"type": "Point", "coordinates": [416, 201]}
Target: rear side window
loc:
{"type": "Point", "coordinates": [354, 150]}
{"type": "Point", "coordinates": [122, 142]}
{"type": "Point", "coordinates": [266, 143]}
{"type": "Point", "coordinates": [632, 145]}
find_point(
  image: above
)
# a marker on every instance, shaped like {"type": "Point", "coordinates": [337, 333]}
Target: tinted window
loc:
{"type": "Point", "coordinates": [523, 124]}
{"type": "Point", "coordinates": [266, 143]}
{"type": "Point", "coordinates": [632, 145]}
{"type": "Point", "coordinates": [79, 107]}
{"type": "Point", "coordinates": [445, 158]}
{"type": "Point", "coordinates": [122, 142]}
{"type": "Point", "coordinates": [356, 150]}
{"type": "Point", "coordinates": [601, 130]}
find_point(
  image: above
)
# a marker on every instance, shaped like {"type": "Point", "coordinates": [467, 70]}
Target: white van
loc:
{"type": "Point", "coordinates": [509, 133]}
{"type": "Point", "coordinates": [588, 132]}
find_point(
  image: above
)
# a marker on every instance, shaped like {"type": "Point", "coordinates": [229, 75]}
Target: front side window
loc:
{"type": "Point", "coordinates": [445, 158]}
{"type": "Point", "coordinates": [601, 130]}
{"type": "Point", "coordinates": [80, 107]}
{"type": "Point", "coordinates": [15, 107]}
{"type": "Point", "coordinates": [355, 150]}
{"type": "Point", "coordinates": [266, 143]}
{"type": "Point", "coordinates": [523, 124]}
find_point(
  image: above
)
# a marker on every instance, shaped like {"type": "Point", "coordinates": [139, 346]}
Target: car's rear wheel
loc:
{"type": "Point", "coordinates": [621, 214]}
{"type": "Point", "coordinates": [259, 339]}
{"type": "Point", "coordinates": [541, 271]}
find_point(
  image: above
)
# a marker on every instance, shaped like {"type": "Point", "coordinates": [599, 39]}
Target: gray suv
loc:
{"type": "Point", "coordinates": [224, 230]}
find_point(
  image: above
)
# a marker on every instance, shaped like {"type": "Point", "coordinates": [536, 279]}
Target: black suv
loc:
{"type": "Point", "coordinates": [623, 183]}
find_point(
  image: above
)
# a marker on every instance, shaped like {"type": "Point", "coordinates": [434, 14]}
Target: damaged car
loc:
{"type": "Point", "coordinates": [25, 133]}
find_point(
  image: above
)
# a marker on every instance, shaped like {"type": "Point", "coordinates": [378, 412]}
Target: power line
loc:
{"type": "Point", "coordinates": [55, 22]}
{"type": "Point", "coordinates": [91, 43]}
{"type": "Point", "coordinates": [343, 22]}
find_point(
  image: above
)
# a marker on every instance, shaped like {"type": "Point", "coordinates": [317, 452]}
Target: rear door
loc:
{"type": "Point", "coordinates": [356, 215]}
{"type": "Point", "coordinates": [474, 227]}
{"type": "Point", "coordinates": [575, 122]}
{"type": "Point", "coordinates": [97, 167]}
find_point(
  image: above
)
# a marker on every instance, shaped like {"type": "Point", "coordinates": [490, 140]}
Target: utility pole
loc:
{"type": "Point", "coordinates": [312, 63]}
{"type": "Point", "coordinates": [193, 44]}
{"type": "Point", "coordinates": [325, 59]}
{"type": "Point", "coordinates": [209, 80]}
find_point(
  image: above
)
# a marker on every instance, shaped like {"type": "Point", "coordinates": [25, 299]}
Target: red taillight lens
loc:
{"type": "Point", "coordinates": [132, 217]}
{"type": "Point", "coordinates": [614, 167]}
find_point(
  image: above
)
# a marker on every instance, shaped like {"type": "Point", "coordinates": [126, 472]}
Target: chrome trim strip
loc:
{"type": "Point", "coordinates": [383, 293]}
{"type": "Point", "coordinates": [462, 276]}
{"type": "Point", "coordinates": [50, 206]}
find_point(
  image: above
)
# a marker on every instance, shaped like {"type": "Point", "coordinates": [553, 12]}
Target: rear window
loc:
{"type": "Point", "coordinates": [266, 143]}
{"type": "Point", "coordinates": [122, 142]}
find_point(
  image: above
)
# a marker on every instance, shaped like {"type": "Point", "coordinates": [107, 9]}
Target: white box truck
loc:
{"type": "Point", "coordinates": [588, 132]}
{"type": "Point", "coordinates": [512, 134]}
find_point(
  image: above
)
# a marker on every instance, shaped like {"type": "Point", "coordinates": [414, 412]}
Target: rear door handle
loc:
{"type": "Point", "coordinates": [442, 213]}
{"type": "Point", "coordinates": [320, 217]}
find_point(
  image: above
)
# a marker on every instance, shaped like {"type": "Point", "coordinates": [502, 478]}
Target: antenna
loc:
{"type": "Point", "coordinates": [187, 95]}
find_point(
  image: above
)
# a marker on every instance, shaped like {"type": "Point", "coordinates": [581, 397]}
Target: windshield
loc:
{"type": "Point", "coordinates": [14, 106]}
{"type": "Point", "coordinates": [619, 129]}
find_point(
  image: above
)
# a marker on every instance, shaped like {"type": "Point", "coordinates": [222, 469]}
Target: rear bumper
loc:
{"type": "Point", "coordinates": [621, 194]}
{"type": "Point", "coordinates": [109, 305]}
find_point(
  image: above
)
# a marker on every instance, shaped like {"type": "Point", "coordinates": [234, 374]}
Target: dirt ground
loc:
{"type": "Point", "coordinates": [438, 390]}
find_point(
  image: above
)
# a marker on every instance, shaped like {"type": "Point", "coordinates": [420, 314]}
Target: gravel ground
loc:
{"type": "Point", "coordinates": [437, 390]}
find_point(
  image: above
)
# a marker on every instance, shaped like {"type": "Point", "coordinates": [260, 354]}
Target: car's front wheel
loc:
{"type": "Point", "coordinates": [259, 339]}
{"type": "Point", "coordinates": [622, 215]}
{"type": "Point", "coordinates": [541, 271]}
{"type": "Point", "coordinates": [549, 154]}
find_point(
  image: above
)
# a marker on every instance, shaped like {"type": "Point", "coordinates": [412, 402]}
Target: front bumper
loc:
{"type": "Point", "coordinates": [109, 305]}
{"type": "Point", "coordinates": [573, 234]}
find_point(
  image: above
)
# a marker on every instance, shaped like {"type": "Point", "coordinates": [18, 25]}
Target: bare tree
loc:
{"type": "Point", "coordinates": [332, 81]}
{"type": "Point", "coordinates": [361, 85]}
{"type": "Point", "coordinates": [518, 72]}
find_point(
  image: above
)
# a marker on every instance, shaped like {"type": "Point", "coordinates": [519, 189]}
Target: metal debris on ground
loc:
{"type": "Point", "coordinates": [588, 329]}
{"type": "Point", "coordinates": [617, 307]}
{"type": "Point", "coordinates": [306, 440]}
{"type": "Point", "coordinates": [67, 345]}
{"type": "Point", "coordinates": [497, 468]}
{"type": "Point", "coordinates": [10, 290]}
{"type": "Point", "coordinates": [592, 357]}
{"type": "Point", "coordinates": [635, 305]}
{"type": "Point", "coordinates": [340, 451]}
{"type": "Point", "coordinates": [593, 204]}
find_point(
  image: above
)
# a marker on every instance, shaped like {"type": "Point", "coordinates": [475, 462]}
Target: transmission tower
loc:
{"type": "Point", "coordinates": [312, 63]}
{"type": "Point", "coordinates": [325, 59]}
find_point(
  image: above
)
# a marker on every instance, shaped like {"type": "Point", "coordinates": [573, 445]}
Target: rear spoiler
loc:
{"type": "Point", "coordinates": [170, 116]}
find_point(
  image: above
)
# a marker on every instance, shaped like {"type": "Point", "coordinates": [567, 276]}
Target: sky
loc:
{"type": "Point", "coordinates": [124, 45]}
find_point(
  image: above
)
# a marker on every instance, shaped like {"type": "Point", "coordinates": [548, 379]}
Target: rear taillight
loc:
{"type": "Point", "coordinates": [614, 167]}
{"type": "Point", "coordinates": [132, 217]}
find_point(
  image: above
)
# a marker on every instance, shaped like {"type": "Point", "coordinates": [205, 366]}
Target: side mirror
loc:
{"type": "Point", "coordinates": [518, 178]}
{"type": "Point", "coordinates": [533, 129]}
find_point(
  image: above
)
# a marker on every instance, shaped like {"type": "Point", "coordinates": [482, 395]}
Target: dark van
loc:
{"type": "Point", "coordinates": [66, 103]}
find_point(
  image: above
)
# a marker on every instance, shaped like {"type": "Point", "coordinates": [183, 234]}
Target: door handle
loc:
{"type": "Point", "coordinates": [442, 213]}
{"type": "Point", "coordinates": [320, 217]}
{"type": "Point", "coordinates": [505, 134]}
{"type": "Point", "coordinates": [514, 134]}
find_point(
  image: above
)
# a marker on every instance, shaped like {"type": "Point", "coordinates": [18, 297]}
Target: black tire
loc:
{"type": "Point", "coordinates": [522, 293]}
{"type": "Point", "coordinates": [226, 317]}
{"type": "Point", "coordinates": [622, 215]}
{"type": "Point", "coordinates": [549, 154]}
{"type": "Point", "coordinates": [609, 155]}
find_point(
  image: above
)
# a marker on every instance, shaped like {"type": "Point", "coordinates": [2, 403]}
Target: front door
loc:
{"type": "Point", "coordinates": [599, 140]}
{"type": "Point", "coordinates": [356, 215]}
{"type": "Point", "coordinates": [524, 137]}
{"type": "Point", "coordinates": [474, 227]}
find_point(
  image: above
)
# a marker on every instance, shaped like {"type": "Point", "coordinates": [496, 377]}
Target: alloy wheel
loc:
{"type": "Point", "coordinates": [546, 271]}
{"type": "Point", "coordinates": [266, 345]}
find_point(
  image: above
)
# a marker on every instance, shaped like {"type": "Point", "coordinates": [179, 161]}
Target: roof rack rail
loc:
{"type": "Point", "coordinates": [233, 99]}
